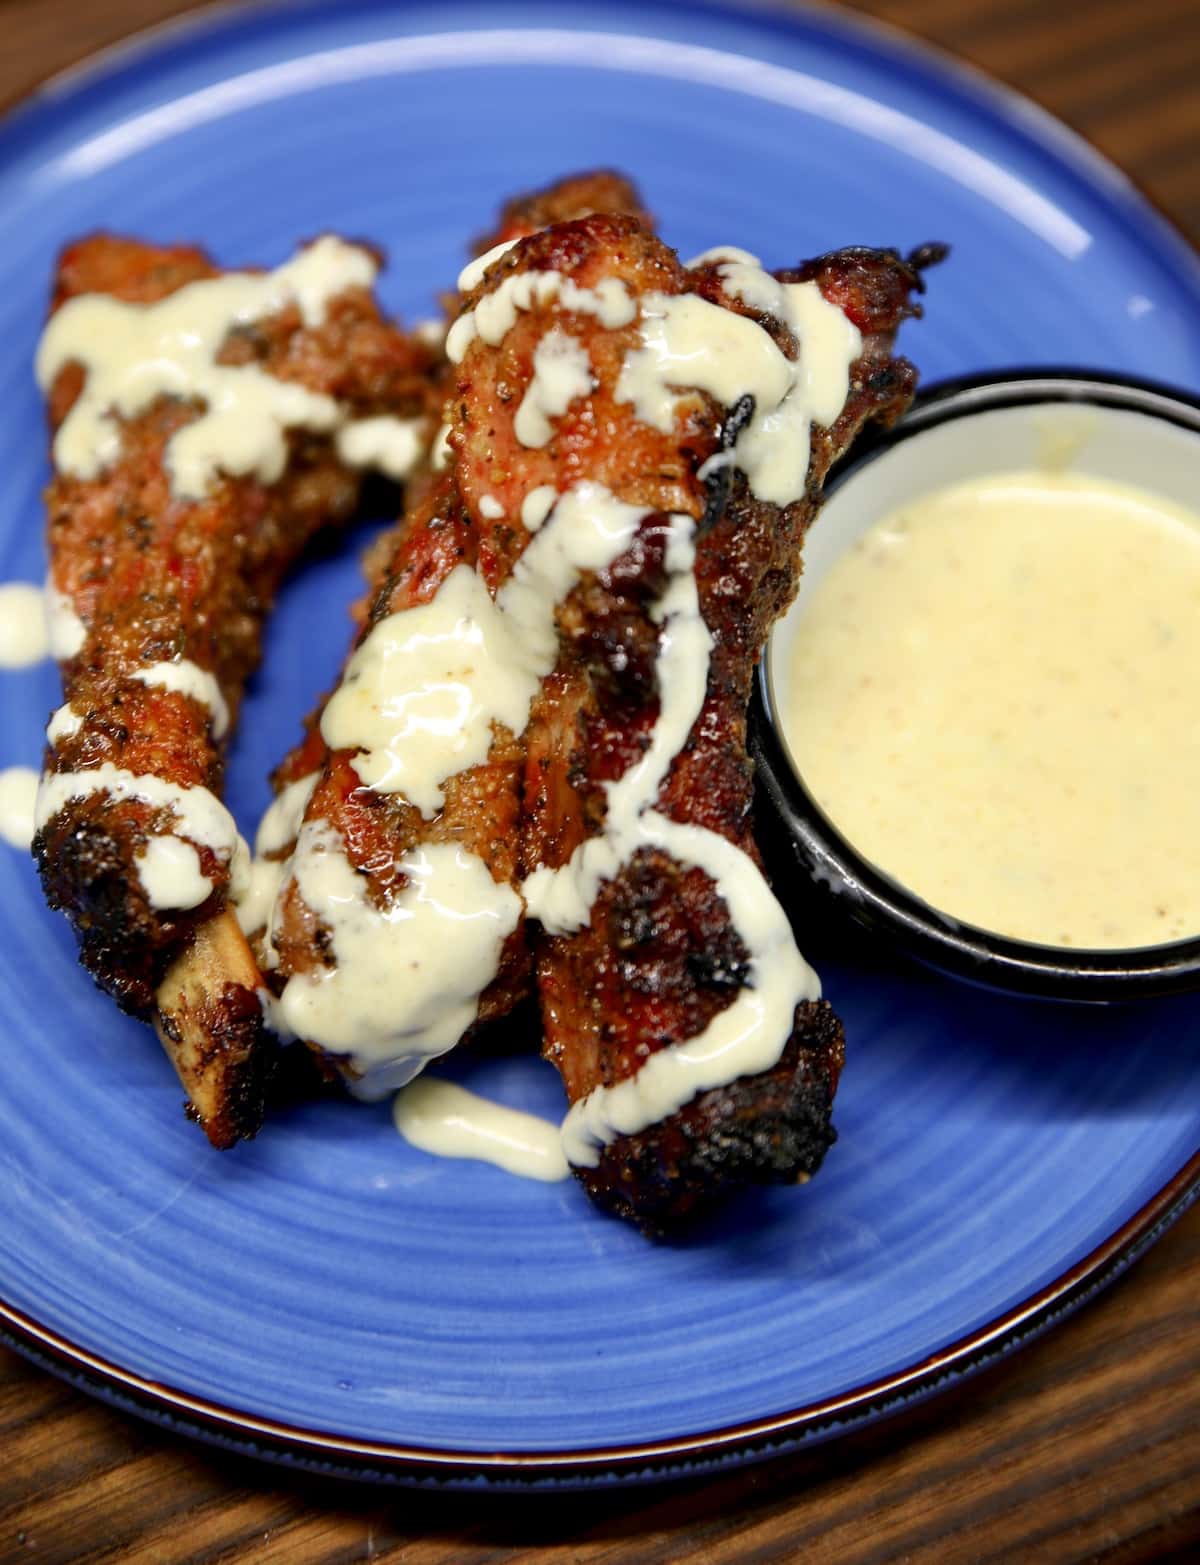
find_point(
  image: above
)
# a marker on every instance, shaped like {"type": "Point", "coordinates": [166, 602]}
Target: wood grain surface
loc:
{"type": "Point", "coordinates": [1083, 1447]}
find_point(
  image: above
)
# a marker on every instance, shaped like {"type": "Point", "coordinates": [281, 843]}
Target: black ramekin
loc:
{"type": "Point", "coordinates": [848, 883]}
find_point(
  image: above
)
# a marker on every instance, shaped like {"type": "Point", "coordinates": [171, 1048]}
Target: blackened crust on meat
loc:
{"type": "Point", "coordinates": [932, 253]}
{"type": "Point", "coordinates": [760, 1130]}
{"type": "Point", "coordinates": [873, 287]}
{"type": "Point", "coordinates": [85, 857]}
{"type": "Point", "coordinates": [658, 962]}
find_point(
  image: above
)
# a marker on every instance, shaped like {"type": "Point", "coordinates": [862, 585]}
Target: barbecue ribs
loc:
{"type": "Point", "coordinates": [164, 596]}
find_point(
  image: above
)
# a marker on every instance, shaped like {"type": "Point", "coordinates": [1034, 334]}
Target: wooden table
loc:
{"type": "Point", "coordinates": [1085, 1446]}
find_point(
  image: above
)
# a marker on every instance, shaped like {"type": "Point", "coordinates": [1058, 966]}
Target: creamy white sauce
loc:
{"type": "Point", "coordinates": [392, 446]}
{"type": "Point", "coordinates": [745, 1039]}
{"type": "Point", "coordinates": [253, 887]}
{"type": "Point", "coordinates": [64, 723]}
{"type": "Point", "coordinates": [24, 638]}
{"type": "Point", "coordinates": [472, 274]}
{"type": "Point", "coordinates": [18, 798]}
{"type": "Point", "coordinates": [722, 253]}
{"type": "Point", "coordinates": [65, 631]}
{"type": "Point", "coordinates": [689, 343]}
{"type": "Point", "coordinates": [280, 824]}
{"type": "Point", "coordinates": [746, 279]}
{"type": "Point", "coordinates": [562, 898]}
{"type": "Point", "coordinates": [188, 679]}
{"type": "Point", "coordinates": [440, 453]}
{"type": "Point", "coordinates": [407, 978]}
{"type": "Point", "coordinates": [255, 879]}
{"type": "Point", "coordinates": [490, 507]}
{"type": "Point", "coordinates": [449, 1121]}
{"type": "Point", "coordinates": [420, 695]}
{"type": "Point", "coordinates": [136, 353]}
{"type": "Point", "coordinates": [994, 696]}
{"type": "Point", "coordinates": [562, 372]}
{"type": "Point", "coordinates": [496, 313]}
{"type": "Point", "coordinates": [431, 332]}
{"type": "Point", "coordinates": [537, 505]}
{"type": "Point", "coordinates": [201, 815]}
{"type": "Point", "coordinates": [170, 873]}
{"type": "Point", "coordinates": [588, 530]}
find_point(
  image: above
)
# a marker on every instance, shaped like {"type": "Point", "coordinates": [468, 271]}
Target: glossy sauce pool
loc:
{"type": "Point", "coordinates": [994, 695]}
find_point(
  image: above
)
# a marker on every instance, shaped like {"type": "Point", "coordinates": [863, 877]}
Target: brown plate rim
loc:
{"type": "Point", "coordinates": [756, 1439]}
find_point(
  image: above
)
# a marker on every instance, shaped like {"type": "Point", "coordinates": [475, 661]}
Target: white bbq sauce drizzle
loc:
{"type": "Point", "coordinates": [472, 274]}
{"type": "Point", "coordinates": [688, 342]}
{"type": "Point", "coordinates": [255, 879]}
{"type": "Point", "coordinates": [170, 873]}
{"type": "Point", "coordinates": [408, 977]}
{"type": "Point", "coordinates": [65, 631]}
{"type": "Point", "coordinates": [168, 867]}
{"type": "Point", "coordinates": [133, 355]}
{"type": "Point", "coordinates": [280, 824]}
{"type": "Point", "coordinates": [537, 505]}
{"type": "Point", "coordinates": [496, 313]}
{"type": "Point", "coordinates": [562, 372]}
{"type": "Point", "coordinates": [24, 635]}
{"type": "Point", "coordinates": [137, 353]}
{"type": "Point", "coordinates": [440, 452]}
{"type": "Point", "coordinates": [420, 694]}
{"type": "Point", "coordinates": [18, 797]}
{"type": "Point", "coordinates": [202, 816]}
{"type": "Point", "coordinates": [392, 446]}
{"type": "Point", "coordinates": [449, 1121]}
{"type": "Point", "coordinates": [64, 723]}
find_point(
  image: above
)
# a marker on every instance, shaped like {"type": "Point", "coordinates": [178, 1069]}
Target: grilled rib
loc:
{"type": "Point", "coordinates": [482, 805]}
{"type": "Point", "coordinates": [659, 956]}
{"type": "Point", "coordinates": [155, 578]}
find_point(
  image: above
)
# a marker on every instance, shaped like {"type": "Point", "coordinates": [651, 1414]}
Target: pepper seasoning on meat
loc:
{"type": "Point", "coordinates": [207, 425]}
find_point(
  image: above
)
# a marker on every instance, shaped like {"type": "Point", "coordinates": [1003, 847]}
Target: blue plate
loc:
{"type": "Point", "coordinates": [326, 1293]}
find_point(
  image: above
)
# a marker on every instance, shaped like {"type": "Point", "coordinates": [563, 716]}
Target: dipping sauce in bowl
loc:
{"type": "Point", "coordinates": [980, 722]}
{"type": "Point", "coordinates": [995, 696]}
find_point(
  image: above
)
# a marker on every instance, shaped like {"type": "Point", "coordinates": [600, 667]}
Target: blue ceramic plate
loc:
{"type": "Point", "coordinates": [327, 1293]}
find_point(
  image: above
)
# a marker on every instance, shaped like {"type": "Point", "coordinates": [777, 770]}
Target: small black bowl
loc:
{"type": "Point", "coordinates": [1132, 431]}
